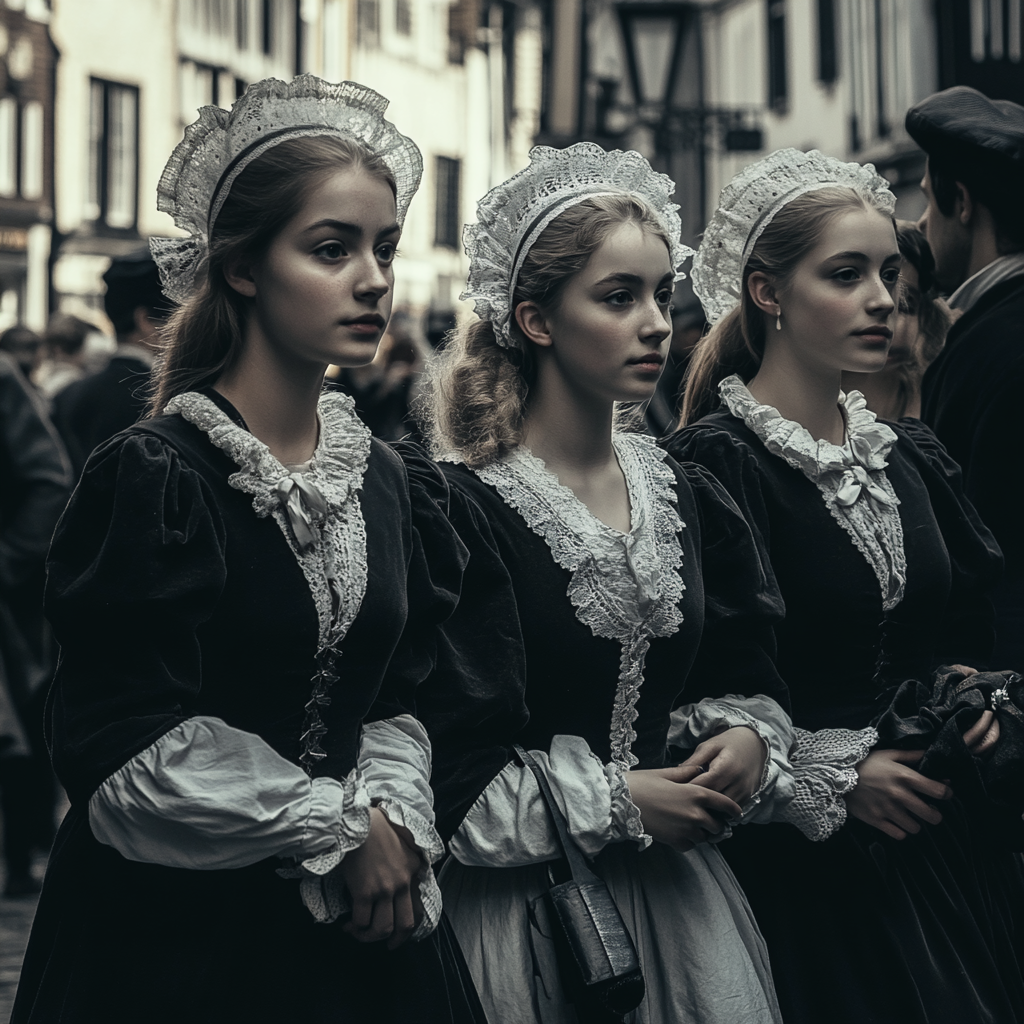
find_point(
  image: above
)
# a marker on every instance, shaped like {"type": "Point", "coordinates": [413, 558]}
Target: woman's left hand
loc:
{"type": "Point", "coordinates": [734, 759]}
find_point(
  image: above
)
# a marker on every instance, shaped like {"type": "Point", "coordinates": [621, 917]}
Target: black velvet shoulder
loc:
{"type": "Point", "coordinates": [474, 706]}
{"type": "Point", "coordinates": [136, 566]}
{"type": "Point", "coordinates": [742, 602]}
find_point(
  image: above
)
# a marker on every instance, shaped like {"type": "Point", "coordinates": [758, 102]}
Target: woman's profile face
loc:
{"type": "Point", "coordinates": [837, 308]}
{"type": "Point", "coordinates": [324, 289]}
{"type": "Point", "coordinates": [906, 326]}
{"type": "Point", "coordinates": [610, 333]}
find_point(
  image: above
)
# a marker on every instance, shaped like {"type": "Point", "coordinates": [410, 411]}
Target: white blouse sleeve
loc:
{"type": "Point", "coordinates": [207, 796]}
{"type": "Point", "coordinates": [509, 825]}
{"type": "Point", "coordinates": [806, 774]}
{"type": "Point", "coordinates": [691, 724]}
{"type": "Point", "coordinates": [394, 764]}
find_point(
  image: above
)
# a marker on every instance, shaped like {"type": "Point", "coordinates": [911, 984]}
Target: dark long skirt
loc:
{"type": "Point", "coordinates": [864, 929]}
{"type": "Point", "coordinates": [120, 943]}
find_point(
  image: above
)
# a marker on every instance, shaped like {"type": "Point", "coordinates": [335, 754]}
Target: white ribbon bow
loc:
{"type": "Point", "coordinates": [298, 499]}
{"type": "Point", "coordinates": [854, 482]}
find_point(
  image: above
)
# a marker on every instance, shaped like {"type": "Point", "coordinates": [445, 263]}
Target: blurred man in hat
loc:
{"type": "Point", "coordinates": [96, 408]}
{"type": "Point", "coordinates": [974, 184]}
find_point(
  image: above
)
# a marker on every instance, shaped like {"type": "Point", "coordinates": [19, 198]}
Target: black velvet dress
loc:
{"type": "Point", "coordinates": [552, 669]}
{"type": "Point", "coordinates": [174, 602]}
{"type": "Point", "coordinates": [862, 928]}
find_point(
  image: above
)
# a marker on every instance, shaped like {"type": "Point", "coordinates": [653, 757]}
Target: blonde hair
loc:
{"type": "Point", "coordinates": [476, 392]}
{"type": "Point", "coordinates": [736, 342]}
{"type": "Point", "coordinates": [204, 336]}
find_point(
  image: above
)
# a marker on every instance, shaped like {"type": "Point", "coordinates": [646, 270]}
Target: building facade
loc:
{"type": "Point", "coordinates": [463, 76]}
{"type": "Point", "coordinates": [27, 60]}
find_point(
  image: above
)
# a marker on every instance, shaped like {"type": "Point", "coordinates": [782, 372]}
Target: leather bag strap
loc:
{"type": "Point", "coordinates": [578, 866]}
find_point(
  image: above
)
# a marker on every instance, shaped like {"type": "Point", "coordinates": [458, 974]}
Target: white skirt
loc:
{"type": "Point", "coordinates": [703, 958]}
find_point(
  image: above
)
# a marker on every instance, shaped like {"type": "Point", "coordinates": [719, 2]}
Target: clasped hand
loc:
{"type": "Point", "coordinates": [685, 805]}
{"type": "Point", "coordinates": [382, 879]}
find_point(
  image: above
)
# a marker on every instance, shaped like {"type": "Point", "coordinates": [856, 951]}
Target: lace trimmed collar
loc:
{"type": "Point", "coordinates": [624, 586]}
{"type": "Point", "coordinates": [851, 477]}
{"type": "Point", "coordinates": [868, 441]}
{"type": "Point", "coordinates": [337, 465]}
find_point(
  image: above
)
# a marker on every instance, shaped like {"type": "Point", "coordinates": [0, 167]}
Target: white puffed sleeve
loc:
{"type": "Point", "coordinates": [509, 824]}
{"type": "Point", "coordinates": [691, 724]}
{"type": "Point", "coordinates": [207, 796]}
{"type": "Point", "coordinates": [394, 764]}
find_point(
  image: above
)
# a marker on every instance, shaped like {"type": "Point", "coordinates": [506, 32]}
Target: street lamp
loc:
{"type": "Point", "coordinates": [653, 34]}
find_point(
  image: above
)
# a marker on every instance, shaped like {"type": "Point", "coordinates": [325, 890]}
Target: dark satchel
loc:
{"type": "Point", "coordinates": [934, 717]}
{"type": "Point", "coordinates": [597, 959]}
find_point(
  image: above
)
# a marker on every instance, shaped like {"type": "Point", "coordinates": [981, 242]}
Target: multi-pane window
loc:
{"type": "Point", "coordinates": [446, 219]}
{"type": "Point", "coordinates": [403, 17]}
{"type": "Point", "coordinates": [113, 154]}
{"type": "Point", "coordinates": [778, 92]}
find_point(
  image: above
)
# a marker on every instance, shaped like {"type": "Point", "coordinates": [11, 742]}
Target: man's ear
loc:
{"type": "Point", "coordinates": [762, 291]}
{"type": "Point", "coordinates": [240, 277]}
{"type": "Point", "coordinates": [533, 323]}
{"type": "Point", "coordinates": [965, 205]}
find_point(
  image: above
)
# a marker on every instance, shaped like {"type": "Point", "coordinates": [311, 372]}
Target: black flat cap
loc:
{"type": "Point", "coordinates": [966, 127]}
{"type": "Point", "coordinates": [133, 281]}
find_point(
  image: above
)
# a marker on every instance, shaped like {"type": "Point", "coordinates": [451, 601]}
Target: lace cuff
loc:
{"type": "Point", "coordinates": [509, 824]}
{"type": "Point", "coordinates": [693, 723]}
{"type": "Point", "coordinates": [824, 768]}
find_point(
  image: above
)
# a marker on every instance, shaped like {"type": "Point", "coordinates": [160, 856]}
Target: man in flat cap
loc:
{"type": "Point", "coordinates": [974, 184]}
{"type": "Point", "coordinates": [99, 406]}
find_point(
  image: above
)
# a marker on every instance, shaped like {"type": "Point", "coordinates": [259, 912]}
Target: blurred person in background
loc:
{"type": "Point", "coordinates": [103, 404]}
{"type": "Point", "coordinates": [22, 344]}
{"type": "Point", "coordinates": [974, 224]}
{"type": "Point", "coordinates": [35, 482]}
{"type": "Point", "coordinates": [688, 324]}
{"type": "Point", "coordinates": [919, 329]}
{"type": "Point", "coordinates": [385, 389]}
{"type": "Point", "coordinates": [63, 354]}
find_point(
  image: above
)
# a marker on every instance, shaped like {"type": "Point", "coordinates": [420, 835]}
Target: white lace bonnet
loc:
{"type": "Point", "coordinates": [748, 205]}
{"type": "Point", "coordinates": [221, 144]}
{"type": "Point", "coordinates": [512, 216]}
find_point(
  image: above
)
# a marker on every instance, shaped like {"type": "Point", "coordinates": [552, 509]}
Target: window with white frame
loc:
{"type": "Point", "coordinates": [113, 154]}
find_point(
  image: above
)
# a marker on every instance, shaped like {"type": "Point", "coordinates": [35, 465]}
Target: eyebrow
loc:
{"type": "Point", "coordinates": [351, 229]}
{"type": "Point", "coordinates": [853, 255]}
{"type": "Point", "coordinates": [633, 279]}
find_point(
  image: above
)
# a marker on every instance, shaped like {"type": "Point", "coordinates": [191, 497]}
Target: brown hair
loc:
{"type": "Point", "coordinates": [736, 342]}
{"type": "Point", "coordinates": [204, 336]}
{"type": "Point", "coordinates": [474, 401]}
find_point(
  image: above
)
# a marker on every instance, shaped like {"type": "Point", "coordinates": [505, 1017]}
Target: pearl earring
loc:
{"type": "Point", "coordinates": [778, 320]}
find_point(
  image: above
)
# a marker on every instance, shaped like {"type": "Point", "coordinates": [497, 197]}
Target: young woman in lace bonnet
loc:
{"type": "Point", "coordinates": [884, 568]}
{"type": "Point", "coordinates": [250, 839]}
{"type": "Point", "coordinates": [638, 587]}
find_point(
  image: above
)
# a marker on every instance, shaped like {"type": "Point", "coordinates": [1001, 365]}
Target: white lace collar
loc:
{"type": "Point", "coordinates": [335, 563]}
{"type": "Point", "coordinates": [868, 441]}
{"type": "Point", "coordinates": [624, 586]}
{"type": "Point", "coordinates": [851, 477]}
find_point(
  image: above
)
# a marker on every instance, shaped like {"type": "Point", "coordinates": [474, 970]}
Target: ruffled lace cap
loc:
{"type": "Point", "coordinates": [221, 144]}
{"type": "Point", "coordinates": [334, 563]}
{"type": "Point", "coordinates": [624, 586]}
{"type": "Point", "coordinates": [851, 477]}
{"type": "Point", "coordinates": [514, 214]}
{"type": "Point", "coordinates": [749, 203]}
